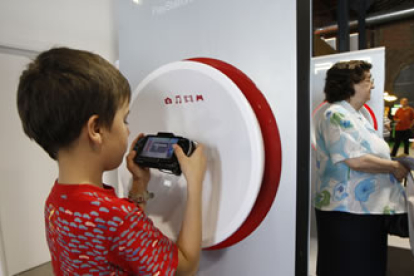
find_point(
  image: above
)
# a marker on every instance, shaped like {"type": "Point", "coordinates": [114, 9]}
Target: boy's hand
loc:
{"type": "Point", "coordinates": [140, 176]}
{"type": "Point", "coordinates": [193, 167]}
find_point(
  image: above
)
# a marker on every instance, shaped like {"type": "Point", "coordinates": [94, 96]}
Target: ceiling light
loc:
{"type": "Point", "coordinates": [390, 98]}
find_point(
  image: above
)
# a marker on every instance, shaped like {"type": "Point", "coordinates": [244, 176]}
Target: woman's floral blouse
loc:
{"type": "Point", "coordinates": [344, 133]}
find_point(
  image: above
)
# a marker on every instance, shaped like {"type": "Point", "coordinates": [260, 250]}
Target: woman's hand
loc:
{"type": "Point", "coordinates": [400, 171]}
{"type": "Point", "coordinates": [140, 176]}
{"type": "Point", "coordinates": [373, 164]}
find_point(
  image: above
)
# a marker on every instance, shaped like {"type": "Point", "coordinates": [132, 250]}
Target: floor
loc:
{"type": "Point", "coordinates": [400, 263]}
{"type": "Point", "coordinates": [42, 270]}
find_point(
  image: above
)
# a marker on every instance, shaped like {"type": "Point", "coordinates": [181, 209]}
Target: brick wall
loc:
{"type": "Point", "coordinates": [398, 40]}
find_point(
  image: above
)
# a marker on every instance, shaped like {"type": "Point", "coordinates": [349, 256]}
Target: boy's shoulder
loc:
{"type": "Point", "coordinates": [89, 201]}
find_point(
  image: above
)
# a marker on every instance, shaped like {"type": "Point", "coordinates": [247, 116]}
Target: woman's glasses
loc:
{"type": "Point", "coordinates": [371, 80]}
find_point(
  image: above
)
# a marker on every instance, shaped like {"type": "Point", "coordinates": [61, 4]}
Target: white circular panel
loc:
{"type": "Point", "coordinates": [201, 103]}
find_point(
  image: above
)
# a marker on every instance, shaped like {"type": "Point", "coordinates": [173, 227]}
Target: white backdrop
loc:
{"type": "Point", "coordinates": [26, 172]}
{"type": "Point", "coordinates": [41, 24]}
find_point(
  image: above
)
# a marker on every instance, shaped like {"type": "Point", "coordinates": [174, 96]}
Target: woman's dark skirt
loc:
{"type": "Point", "coordinates": [353, 244]}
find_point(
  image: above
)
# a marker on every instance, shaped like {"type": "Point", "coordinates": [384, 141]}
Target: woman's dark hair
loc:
{"type": "Point", "coordinates": [341, 77]}
{"type": "Point", "coordinates": [61, 89]}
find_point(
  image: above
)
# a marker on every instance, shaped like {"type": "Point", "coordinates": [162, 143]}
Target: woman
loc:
{"type": "Point", "coordinates": [358, 189]}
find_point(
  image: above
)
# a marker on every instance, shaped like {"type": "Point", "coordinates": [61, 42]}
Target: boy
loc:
{"type": "Point", "coordinates": [74, 104]}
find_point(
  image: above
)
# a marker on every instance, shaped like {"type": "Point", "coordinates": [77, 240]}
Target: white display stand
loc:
{"type": "Point", "coordinates": [259, 39]}
{"type": "Point", "coordinates": [195, 100]}
{"type": "Point", "coordinates": [373, 110]}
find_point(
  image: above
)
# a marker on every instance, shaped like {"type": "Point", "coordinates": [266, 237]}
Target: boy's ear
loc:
{"type": "Point", "coordinates": [94, 129]}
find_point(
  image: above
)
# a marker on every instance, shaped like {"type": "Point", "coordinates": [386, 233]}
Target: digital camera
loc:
{"type": "Point", "coordinates": [156, 151]}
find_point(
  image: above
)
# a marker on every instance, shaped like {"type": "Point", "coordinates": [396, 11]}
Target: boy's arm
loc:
{"type": "Point", "coordinates": [140, 176]}
{"type": "Point", "coordinates": [138, 193]}
{"type": "Point", "coordinates": [189, 239]}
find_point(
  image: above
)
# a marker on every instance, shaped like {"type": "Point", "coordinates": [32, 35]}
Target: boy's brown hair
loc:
{"type": "Point", "coordinates": [61, 89]}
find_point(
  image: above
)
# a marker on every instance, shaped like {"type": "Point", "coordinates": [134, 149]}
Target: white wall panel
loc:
{"type": "Point", "coordinates": [26, 175]}
{"type": "Point", "coordinates": [259, 38]}
{"type": "Point", "coordinates": [26, 172]}
{"type": "Point", "coordinates": [41, 24]}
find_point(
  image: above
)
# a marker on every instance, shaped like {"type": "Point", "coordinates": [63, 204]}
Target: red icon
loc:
{"type": "Point", "coordinates": [168, 101]}
{"type": "Point", "coordinates": [187, 99]}
{"type": "Point", "coordinates": [199, 98]}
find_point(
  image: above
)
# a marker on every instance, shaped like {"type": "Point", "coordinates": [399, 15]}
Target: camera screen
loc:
{"type": "Point", "coordinates": [157, 147]}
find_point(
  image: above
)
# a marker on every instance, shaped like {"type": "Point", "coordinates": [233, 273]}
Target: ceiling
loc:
{"type": "Point", "coordinates": [325, 11]}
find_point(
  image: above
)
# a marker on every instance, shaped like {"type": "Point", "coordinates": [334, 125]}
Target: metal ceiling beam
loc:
{"type": "Point", "coordinates": [371, 20]}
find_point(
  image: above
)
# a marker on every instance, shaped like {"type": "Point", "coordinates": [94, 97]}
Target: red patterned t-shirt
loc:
{"type": "Point", "coordinates": [90, 231]}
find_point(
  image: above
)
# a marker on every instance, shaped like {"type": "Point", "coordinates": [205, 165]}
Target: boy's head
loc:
{"type": "Point", "coordinates": [61, 89]}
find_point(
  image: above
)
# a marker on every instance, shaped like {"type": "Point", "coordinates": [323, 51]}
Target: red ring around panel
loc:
{"type": "Point", "coordinates": [374, 119]}
{"type": "Point", "coordinates": [272, 148]}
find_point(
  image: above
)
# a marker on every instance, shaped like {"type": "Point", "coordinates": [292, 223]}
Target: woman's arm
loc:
{"type": "Point", "coordinates": [372, 164]}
